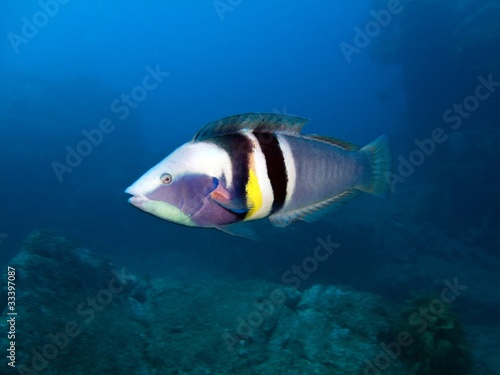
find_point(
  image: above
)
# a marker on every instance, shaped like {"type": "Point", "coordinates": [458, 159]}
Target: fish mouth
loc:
{"type": "Point", "coordinates": [136, 199]}
{"type": "Point", "coordinates": [163, 210]}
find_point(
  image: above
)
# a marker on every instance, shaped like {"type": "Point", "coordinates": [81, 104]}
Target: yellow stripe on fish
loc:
{"type": "Point", "coordinates": [258, 187]}
{"type": "Point", "coordinates": [254, 194]}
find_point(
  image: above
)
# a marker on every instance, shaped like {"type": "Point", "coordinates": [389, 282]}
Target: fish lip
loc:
{"type": "Point", "coordinates": [136, 199]}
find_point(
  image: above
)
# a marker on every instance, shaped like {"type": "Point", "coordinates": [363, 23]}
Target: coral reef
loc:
{"type": "Point", "coordinates": [72, 307]}
{"type": "Point", "coordinates": [439, 344]}
{"type": "Point", "coordinates": [79, 314]}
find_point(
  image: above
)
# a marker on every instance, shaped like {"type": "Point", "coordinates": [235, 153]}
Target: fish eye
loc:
{"type": "Point", "coordinates": [166, 178]}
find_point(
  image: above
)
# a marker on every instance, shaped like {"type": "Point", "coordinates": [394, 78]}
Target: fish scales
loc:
{"type": "Point", "coordinates": [251, 166]}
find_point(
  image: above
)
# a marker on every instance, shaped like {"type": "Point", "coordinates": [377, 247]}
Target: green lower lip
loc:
{"type": "Point", "coordinates": [164, 211]}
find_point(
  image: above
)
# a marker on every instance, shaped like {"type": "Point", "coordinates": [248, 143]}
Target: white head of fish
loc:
{"type": "Point", "coordinates": [193, 158]}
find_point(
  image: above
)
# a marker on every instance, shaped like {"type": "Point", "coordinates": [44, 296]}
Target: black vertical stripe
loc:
{"type": "Point", "coordinates": [276, 169]}
{"type": "Point", "coordinates": [239, 148]}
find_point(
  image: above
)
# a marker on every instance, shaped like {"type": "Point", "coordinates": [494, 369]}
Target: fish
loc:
{"type": "Point", "coordinates": [257, 165]}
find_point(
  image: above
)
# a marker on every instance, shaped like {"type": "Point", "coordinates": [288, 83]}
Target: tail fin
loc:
{"type": "Point", "coordinates": [380, 159]}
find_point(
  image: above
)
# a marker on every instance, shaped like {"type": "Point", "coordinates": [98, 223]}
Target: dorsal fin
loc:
{"type": "Point", "coordinates": [333, 141]}
{"type": "Point", "coordinates": [258, 122]}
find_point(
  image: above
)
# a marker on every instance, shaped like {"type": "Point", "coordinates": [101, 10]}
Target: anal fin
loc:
{"type": "Point", "coordinates": [314, 212]}
{"type": "Point", "coordinates": [239, 230]}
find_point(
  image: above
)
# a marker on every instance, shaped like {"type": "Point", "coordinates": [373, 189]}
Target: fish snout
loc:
{"type": "Point", "coordinates": [137, 199]}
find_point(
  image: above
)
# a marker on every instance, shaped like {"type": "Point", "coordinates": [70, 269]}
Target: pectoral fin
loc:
{"type": "Point", "coordinates": [223, 198]}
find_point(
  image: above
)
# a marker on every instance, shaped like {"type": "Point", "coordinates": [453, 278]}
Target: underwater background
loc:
{"type": "Point", "coordinates": [93, 94]}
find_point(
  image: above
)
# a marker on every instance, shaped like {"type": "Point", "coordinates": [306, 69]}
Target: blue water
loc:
{"type": "Point", "coordinates": [68, 67]}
